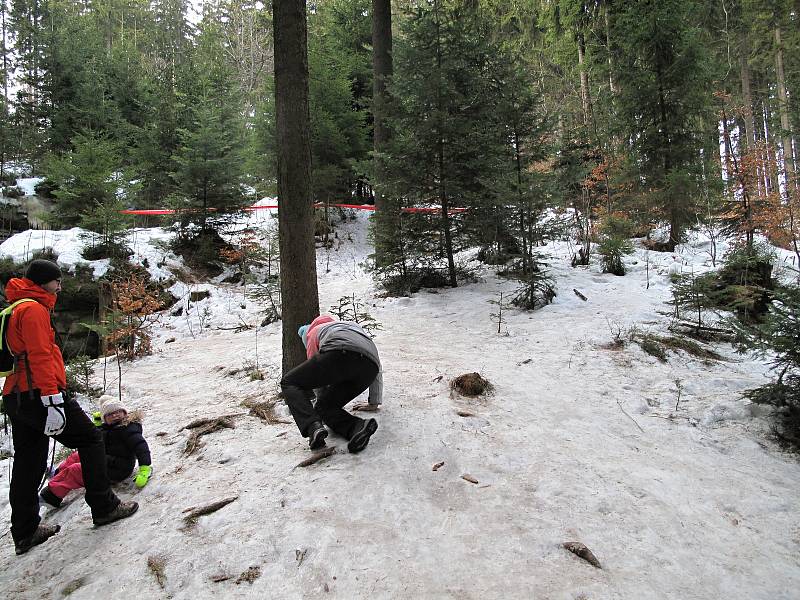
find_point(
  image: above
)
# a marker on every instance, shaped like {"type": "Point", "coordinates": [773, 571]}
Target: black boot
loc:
{"type": "Point", "coordinates": [49, 497]}
{"type": "Point", "coordinates": [360, 438]}
{"type": "Point", "coordinates": [42, 534]}
{"type": "Point", "coordinates": [123, 511]}
{"type": "Point", "coordinates": [316, 435]}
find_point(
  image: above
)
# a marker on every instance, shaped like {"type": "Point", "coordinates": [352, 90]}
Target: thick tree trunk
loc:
{"type": "Point", "coordinates": [448, 240]}
{"type": "Point", "coordinates": [300, 299]}
{"type": "Point", "coordinates": [387, 217]}
{"type": "Point", "coordinates": [381, 71]}
{"type": "Point", "coordinates": [675, 225]}
{"type": "Point", "coordinates": [783, 108]}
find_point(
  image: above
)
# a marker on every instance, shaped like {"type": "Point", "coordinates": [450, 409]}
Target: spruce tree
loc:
{"type": "Point", "coordinates": [88, 176]}
{"type": "Point", "coordinates": [447, 143]}
{"type": "Point", "coordinates": [208, 160]}
{"type": "Point", "coordinates": [663, 81]}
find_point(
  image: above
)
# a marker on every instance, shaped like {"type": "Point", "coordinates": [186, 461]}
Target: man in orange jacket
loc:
{"type": "Point", "coordinates": [33, 401]}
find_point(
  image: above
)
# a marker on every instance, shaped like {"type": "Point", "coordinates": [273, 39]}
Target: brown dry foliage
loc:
{"type": "Point", "coordinates": [134, 308]}
{"type": "Point", "coordinates": [471, 384]}
{"type": "Point", "coordinates": [265, 411]}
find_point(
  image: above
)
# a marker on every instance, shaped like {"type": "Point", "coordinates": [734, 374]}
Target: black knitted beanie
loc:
{"type": "Point", "coordinates": [42, 271]}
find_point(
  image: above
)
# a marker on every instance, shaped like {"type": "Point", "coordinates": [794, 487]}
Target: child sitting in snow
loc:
{"type": "Point", "coordinates": [124, 445]}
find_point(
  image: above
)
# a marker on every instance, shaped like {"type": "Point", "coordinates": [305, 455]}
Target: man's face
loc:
{"type": "Point", "coordinates": [52, 287]}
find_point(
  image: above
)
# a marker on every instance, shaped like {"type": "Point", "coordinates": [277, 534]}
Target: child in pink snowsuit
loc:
{"type": "Point", "coordinates": [124, 445]}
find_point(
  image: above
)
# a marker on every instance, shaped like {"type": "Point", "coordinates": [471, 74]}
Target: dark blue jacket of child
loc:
{"type": "Point", "coordinates": [124, 446]}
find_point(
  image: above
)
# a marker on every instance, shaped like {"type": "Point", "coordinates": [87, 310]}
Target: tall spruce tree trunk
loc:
{"type": "Point", "coordinates": [675, 224]}
{"type": "Point", "coordinates": [771, 168]}
{"type": "Point", "coordinates": [445, 212]}
{"type": "Point", "coordinates": [387, 217]}
{"type": "Point", "coordinates": [783, 109]}
{"type": "Point", "coordinates": [381, 71]}
{"type": "Point", "coordinates": [520, 200]}
{"type": "Point", "coordinates": [606, 20]}
{"type": "Point", "coordinates": [726, 138]}
{"type": "Point", "coordinates": [749, 139]}
{"type": "Point", "coordinates": [299, 293]}
{"type": "Point", "coordinates": [586, 101]}
{"type": "Point", "coordinates": [5, 136]}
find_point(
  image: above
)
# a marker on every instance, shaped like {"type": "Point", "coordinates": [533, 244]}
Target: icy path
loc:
{"type": "Point", "coordinates": [696, 507]}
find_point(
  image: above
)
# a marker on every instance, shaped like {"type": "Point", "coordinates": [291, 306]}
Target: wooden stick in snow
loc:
{"type": "Point", "coordinates": [579, 295]}
{"type": "Point", "coordinates": [197, 512]}
{"type": "Point", "coordinates": [317, 456]}
{"type": "Point", "coordinates": [210, 421]}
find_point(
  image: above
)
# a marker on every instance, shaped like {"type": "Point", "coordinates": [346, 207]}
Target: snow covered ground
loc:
{"type": "Point", "coordinates": [576, 443]}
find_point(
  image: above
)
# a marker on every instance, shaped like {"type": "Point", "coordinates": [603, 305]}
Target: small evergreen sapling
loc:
{"type": "Point", "coordinates": [354, 311]}
{"type": "Point", "coordinates": [502, 304]}
{"type": "Point", "coordinates": [779, 336]}
{"type": "Point", "coordinates": [537, 289]}
{"type": "Point", "coordinates": [614, 244]}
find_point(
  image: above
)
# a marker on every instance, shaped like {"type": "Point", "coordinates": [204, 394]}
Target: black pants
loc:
{"type": "Point", "coordinates": [342, 375]}
{"type": "Point", "coordinates": [30, 460]}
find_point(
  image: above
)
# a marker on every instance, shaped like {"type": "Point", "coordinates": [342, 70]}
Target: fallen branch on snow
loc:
{"type": "Point", "coordinates": [197, 512]}
{"type": "Point", "coordinates": [211, 425]}
{"type": "Point", "coordinates": [317, 456]}
{"type": "Point", "coordinates": [208, 420]}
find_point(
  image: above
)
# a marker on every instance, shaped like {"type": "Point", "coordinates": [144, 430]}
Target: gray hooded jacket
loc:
{"type": "Point", "coordinates": [340, 335]}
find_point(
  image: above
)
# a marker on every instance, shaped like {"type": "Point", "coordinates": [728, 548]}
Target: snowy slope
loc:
{"type": "Point", "coordinates": [576, 443]}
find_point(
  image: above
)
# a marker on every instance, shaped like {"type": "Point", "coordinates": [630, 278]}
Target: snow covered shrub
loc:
{"type": "Point", "coordinates": [694, 298]}
{"type": "Point", "coordinates": [779, 334]}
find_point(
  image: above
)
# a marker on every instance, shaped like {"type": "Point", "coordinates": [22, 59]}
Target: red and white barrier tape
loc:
{"type": "Point", "coordinates": [171, 211]}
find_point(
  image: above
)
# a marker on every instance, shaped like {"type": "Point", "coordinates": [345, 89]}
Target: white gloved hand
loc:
{"type": "Point", "coordinates": [56, 420]}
